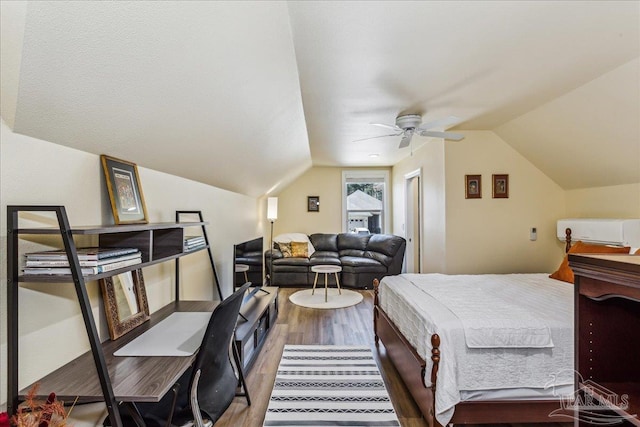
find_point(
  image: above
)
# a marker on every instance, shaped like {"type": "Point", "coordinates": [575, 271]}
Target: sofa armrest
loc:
{"type": "Point", "coordinates": [389, 250]}
{"type": "Point", "coordinates": [396, 264]}
{"type": "Point", "coordinates": [273, 252]}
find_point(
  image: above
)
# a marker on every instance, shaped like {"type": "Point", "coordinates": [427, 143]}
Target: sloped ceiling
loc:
{"type": "Point", "coordinates": [246, 95]}
{"type": "Point", "coordinates": [589, 137]}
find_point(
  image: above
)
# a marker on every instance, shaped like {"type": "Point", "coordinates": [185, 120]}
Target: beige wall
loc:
{"type": "Point", "coordinates": [38, 172]}
{"type": "Point", "coordinates": [492, 235]}
{"type": "Point", "coordinates": [429, 159]}
{"type": "Point", "coordinates": [324, 182]}
{"type": "Point", "coordinates": [481, 235]}
{"type": "Point", "coordinates": [619, 201]}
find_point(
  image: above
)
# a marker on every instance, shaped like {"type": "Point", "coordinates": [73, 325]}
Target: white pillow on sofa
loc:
{"type": "Point", "coordinates": [294, 237]}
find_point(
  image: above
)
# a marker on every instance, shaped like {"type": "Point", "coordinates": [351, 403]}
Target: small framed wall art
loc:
{"type": "Point", "coordinates": [313, 204]}
{"type": "Point", "coordinates": [500, 186]}
{"type": "Point", "coordinates": [125, 192]}
{"type": "Point", "coordinates": [472, 186]}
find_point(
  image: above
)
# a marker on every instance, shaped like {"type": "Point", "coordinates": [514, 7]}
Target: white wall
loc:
{"type": "Point", "coordinates": [39, 172]}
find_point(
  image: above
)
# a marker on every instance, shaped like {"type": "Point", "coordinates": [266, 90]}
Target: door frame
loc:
{"type": "Point", "coordinates": [409, 220]}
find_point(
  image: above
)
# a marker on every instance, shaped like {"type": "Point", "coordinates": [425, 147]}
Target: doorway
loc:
{"type": "Point", "coordinates": [413, 215]}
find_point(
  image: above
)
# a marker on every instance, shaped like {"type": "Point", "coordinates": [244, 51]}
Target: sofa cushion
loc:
{"type": "Point", "coordinates": [294, 237]}
{"type": "Point", "coordinates": [386, 244]}
{"type": "Point", "coordinates": [324, 242]}
{"type": "Point", "coordinates": [291, 261]}
{"type": "Point", "coordinates": [324, 260]}
{"type": "Point", "coordinates": [381, 258]}
{"type": "Point", "coordinates": [300, 249]}
{"type": "Point", "coordinates": [285, 248]}
{"type": "Point", "coordinates": [361, 265]}
{"type": "Point", "coordinates": [348, 241]}
{"type": "Point", "coordinates": [325, 254]}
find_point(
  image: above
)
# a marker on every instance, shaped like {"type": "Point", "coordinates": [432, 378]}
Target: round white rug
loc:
{"type": "Point", "coordinates": [334, 300]}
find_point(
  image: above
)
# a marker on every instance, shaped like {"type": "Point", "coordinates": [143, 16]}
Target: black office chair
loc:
{"type": "Point", "coordinates": [210, 385]}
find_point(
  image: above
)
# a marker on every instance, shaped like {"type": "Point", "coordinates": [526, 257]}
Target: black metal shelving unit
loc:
{"type": "Point", "coordinates": [158, 242]}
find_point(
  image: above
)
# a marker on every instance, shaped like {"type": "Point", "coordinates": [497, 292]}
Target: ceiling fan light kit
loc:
{"type": "Point", "coordinates": [409, 121]}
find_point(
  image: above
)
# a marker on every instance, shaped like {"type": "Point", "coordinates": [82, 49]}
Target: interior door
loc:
{"type": "Point", "coordinates": [412, 224]}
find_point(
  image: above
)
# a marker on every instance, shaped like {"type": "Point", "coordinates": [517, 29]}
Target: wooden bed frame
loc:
{"type": "Point", "coordinates": [412, 369]}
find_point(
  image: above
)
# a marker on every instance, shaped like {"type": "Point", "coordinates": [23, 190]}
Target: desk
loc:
{"type": "Point", "coordinates": [134, 379]}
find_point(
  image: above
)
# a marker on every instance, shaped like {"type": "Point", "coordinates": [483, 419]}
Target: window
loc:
{"type": "Point", "coordinates": [364, 201]}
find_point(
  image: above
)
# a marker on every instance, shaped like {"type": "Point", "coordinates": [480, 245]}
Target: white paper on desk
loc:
{"type": "Point", "coordinates": [180, 334]}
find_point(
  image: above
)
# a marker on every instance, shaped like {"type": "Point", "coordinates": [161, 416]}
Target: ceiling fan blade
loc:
{"type": "Point", "coordinates": [379, 136]}
{"type": "Point", "coordinates": [392, 127]}
{"type": "Point", "coordinates": [446, 135]}
{"type": "Point", "coordinates": [406, 139]}
{"type": "Point", "coordinates": [444, 123]}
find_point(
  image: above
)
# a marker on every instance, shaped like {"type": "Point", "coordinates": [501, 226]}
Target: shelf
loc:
{"type": "Point", "coordinates": [619, 389]}
{"type": "Point", "coordinates": [66, 278]}
{"type": "Point", "coordinates": [107, 229]}
{"type": "Point", "coordinates": [260, 312]}
{"type": "Point", "coordinates": [607, 325]}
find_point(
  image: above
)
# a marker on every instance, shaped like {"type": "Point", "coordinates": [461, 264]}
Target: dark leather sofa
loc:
{"type": "Point", "coordinates": [362, 258]}
{"type": "Point", "coordinates": [249, 253]}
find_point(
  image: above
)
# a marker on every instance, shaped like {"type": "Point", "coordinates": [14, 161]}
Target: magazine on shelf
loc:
{"type": "Point", "coordinates": [83, 263]}
{"type": "Point", "coordinates": [194, 242]}
{"type": "Point", "coordinates": [85, 270]}
{"type": "Point", "coordinates": [84, 254]}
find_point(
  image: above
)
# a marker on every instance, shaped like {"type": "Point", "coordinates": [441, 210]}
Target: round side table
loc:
{"type": "Point", "coordinates": [243, 268]}
{"type": "Point", "coordinates": [326, 270]}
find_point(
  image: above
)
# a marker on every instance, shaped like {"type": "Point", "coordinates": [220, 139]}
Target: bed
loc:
{"type": "Point", "coordinates": [479, 349]}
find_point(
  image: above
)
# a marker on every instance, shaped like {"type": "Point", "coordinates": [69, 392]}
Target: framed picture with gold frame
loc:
{"type": "Point", "coordinates": [125, 302]}
{"type": "Point", "coordinates": [125, 191]}
{"type": "Point", "coordinates": [500, 186]}
{"type": "Point", "coordinates": [473, 186]}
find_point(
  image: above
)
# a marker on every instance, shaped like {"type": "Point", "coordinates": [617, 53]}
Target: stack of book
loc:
{"type": "Point", "coordinates": [92, 260]}
{"type": "Point", "coordinates": [193, 242]}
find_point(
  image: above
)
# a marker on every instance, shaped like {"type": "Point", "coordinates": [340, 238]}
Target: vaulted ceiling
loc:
{"type": "Point", "coordinates": [246, 95]}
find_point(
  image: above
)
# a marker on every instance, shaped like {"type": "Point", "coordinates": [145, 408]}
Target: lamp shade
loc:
{"type": "Point", "coordinates": [272, 208]}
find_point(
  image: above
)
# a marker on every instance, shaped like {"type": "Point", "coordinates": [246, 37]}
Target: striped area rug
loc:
{"type": "Point", "coordinates": [329, 386]}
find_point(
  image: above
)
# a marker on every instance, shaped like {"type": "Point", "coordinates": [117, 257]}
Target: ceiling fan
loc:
{"type": "Point", "coordinates": [409, 124]}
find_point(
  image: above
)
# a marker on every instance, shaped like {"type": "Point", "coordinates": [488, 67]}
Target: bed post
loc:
{"type": "Point", "coordinates": [376, 283]}
{"type": "Point", "coordinates": [435, 358]}
{"type": "Point", "coordinates": [567, 234]}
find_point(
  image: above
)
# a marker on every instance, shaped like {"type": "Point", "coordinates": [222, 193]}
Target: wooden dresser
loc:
{"type": "Point", "coordinates": [607, 335]}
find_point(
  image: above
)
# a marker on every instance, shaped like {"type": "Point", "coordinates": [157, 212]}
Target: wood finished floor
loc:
{"type": "Point", "coordinates": [299, 325]}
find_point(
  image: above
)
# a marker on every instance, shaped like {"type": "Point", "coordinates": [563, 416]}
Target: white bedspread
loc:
{"type": "Point", "coordinates": [418, 315]}
{"type": "Point", "coordinates": [491, 317]}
